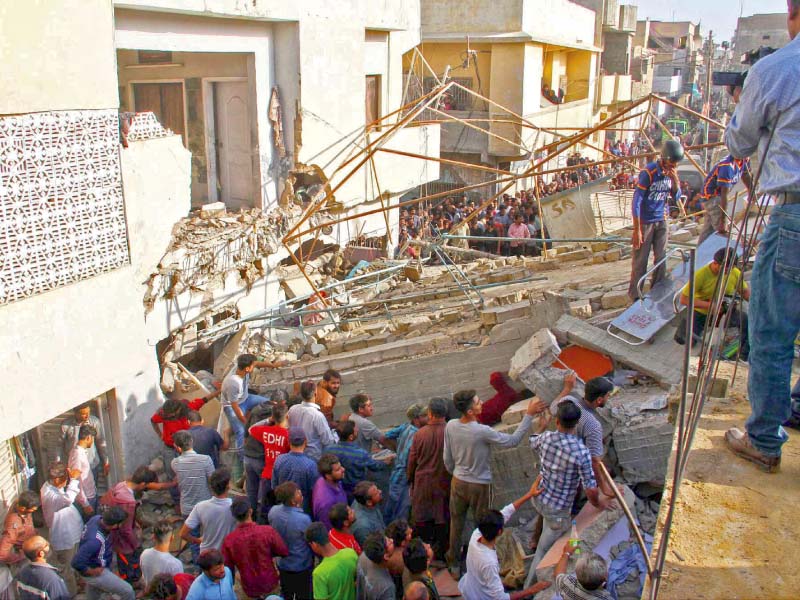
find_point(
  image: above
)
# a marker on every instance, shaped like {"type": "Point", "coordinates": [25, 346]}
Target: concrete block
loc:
{"type": "Point", "coordinates": [316, 349]}
{"type": "Point", "coordinates": [643, 449]}
{"type": "Point", "coordinates": [514, 413]}
{"type": "Point", "coordinates": [452, 315]}
{"type": "Point", "coordinates": [581, 309]}
{"type": "Point", "coordinates": [717, 389]}
{"type": "Point", "coordinates": [411, 323]}
{"type": "Point", "coordinates": [213, 209]}
{"type": "Point", "coordinates": [355, 343]}
{"type": "Point", "coordinates": [224, 362]}
{"type": "Point", "coordinates": [379, 338]}
{"type": "Point", "coordinates": [540, 350]}
{"type": "Point", "coordinates": [581, 254]}
{"type": "Point", "coordinates": [500, 277]}
{"type": "Point", "coordinates": [599, 246]}
{"type": "Point", "coordinates": [612, 255]}
{"type": "Point", "coordinates": [681, 235]}
{"type": "Point", "coordinates": [597, 259]}
{"type": "Point", "coordinates": [500, 314]}
{"type": "Point", "coordinates": [615, 299]}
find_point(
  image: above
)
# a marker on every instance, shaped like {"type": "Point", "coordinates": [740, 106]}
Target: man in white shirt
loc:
{"type": "Point", "coordinates": [482, 580]}
{"type": "Point", "coordinates": [309, 417]}
{"type": "Point", "coordinates": [79, 460]}
{"type": "Point", "coordinates": [62, 518]}
{"type": "Point", "coordinates": [158, 559]}
{"type": "Point", "coordinates": [235, 397]}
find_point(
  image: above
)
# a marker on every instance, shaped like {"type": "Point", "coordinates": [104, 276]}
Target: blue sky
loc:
{"type": "Point", "coordinates": [718, 15]}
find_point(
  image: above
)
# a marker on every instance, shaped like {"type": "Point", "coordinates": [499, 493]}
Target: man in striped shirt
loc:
{"type": "Point", "coordinates": [192, 471]}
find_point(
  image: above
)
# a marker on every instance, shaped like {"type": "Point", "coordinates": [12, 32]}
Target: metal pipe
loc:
{"type": "Point", "coordinates": [481, 238]}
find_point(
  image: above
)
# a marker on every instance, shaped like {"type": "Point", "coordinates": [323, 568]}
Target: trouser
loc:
{"type": "Point", "coordinates": [738, 319]}
{"type": "Point", "coordinates": [167, 454]}
{"type": "Point", "coordinates": [128, 565]}
{"type": "Point", "coordinates": [296, 585]}
{"type": "Point", "coordinates": [236, 425]}
{"type": "Point", "coordinates": [654, 237]}
{"type": "Point", "coordinates": [712, 220]}
{"type": "Point", "coordinates": [435, 534]}
{"type": "Point", "coordinates": [398, 503]}
{"type": "Point", "coordinates": [555, 523]}
{"type": "Point", "coordinates": [465, 497]}
{"type": "Point", "coordinates": [194, 548]}
{"type": "Point", "coordinates": [108, 583]}
{"type": "Point", "coordinates": [774, 326]}
{"type": "Point", "coordinates": [62, 559]}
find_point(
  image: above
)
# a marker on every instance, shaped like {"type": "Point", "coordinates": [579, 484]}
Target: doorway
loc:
{"type": "Point", "coordinates": [233, 147]}
{"type": "Point", "coordinates": [165, 100]}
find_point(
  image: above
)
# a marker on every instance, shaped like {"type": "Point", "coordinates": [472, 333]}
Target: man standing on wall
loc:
{"type": "Point", "coordinates": [658, 182]}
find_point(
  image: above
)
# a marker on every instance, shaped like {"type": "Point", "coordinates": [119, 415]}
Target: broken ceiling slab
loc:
{"type": "Point", "coordinates": [532, 365]}
{"type": "Point", "coordinates": [224, 362]}
{"type": "Point", "coordinates": [660, 360]}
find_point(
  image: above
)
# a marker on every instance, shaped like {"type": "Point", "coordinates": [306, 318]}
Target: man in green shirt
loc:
{"type": "Point", "coordinates": [335, 577]}
{"type": "Point", "coordinates": [706, 285]}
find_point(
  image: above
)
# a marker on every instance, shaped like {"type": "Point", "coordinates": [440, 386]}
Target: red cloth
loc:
{"type": "Point", "coordinates": [173, 426]}
{"type": "Point", "coordinates": [341, 540]}
{"type": "Point", "coordinates": [495, 406]}
{"type": "Point", "coordinates": [184, 582]}
{"type": "Point", "coordinates": [275, 440]}
{"type": "Point", "coordinates": [250, 548]}
{"type": "Point", "coordinates": [127, 538]}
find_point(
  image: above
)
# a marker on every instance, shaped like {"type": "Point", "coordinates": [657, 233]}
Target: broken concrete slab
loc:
{"type": "Point", "coordinates": [213, 209]}
{"type": "Point", "coordinates": [660, 360]}
{"type": "Point", "coordinates": [581, 309]}
{"type": "Point", "coordinates": [226, 358]}
{"type": "Point", "coordinates": [411, 323]}
{"type": "Point", "coordinates": [500, 314]}
{"type": "Point", "coordinates": [532, 365]}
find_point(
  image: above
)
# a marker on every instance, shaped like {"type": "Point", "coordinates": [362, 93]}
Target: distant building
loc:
{"type": "Point", "coordinates": [759, 30]}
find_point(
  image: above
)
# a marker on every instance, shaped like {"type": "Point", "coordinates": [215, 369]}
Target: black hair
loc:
{"type": "Point", "coordinates": [725, 257]}
{"type": "Point", "coordinates": [568, 414]}
{"type": "Point", "coordinates": [358, 401]}
{"type": "Point", "coordinates": [219, 480]}
{"type": "Point", "coordinates": [374, 547]}
{"type": "Point", "coordinates": [162, 530]}
{"type": "Point", "coordinates": [194, 416]}
{"type": "Point", "coordinates": [85, 431]}
{"type": "Point", "coordinates": [143, 474]}
{"type": "Point", "coordinates": [490, 524]}
{"type": "Point", "coordinates": [114, 515]}
{"type": "Point", "coordinates": [285, 492]}
{"type": "Point", "coordinates": [331, 374]}
{"type": "Point", "coordinates": [307, 390]}
{"type": "Point", "coordinates": [29, 499]}
{"type": "Point", "coordinates": [56, 470]}
{"type": "Point", "coordinates": [317, 533]}
{"type": "Point", "coordinates": [597, 387]}
{"type": "Point", "coordinates": [244, 361]}
{"type": "Point", "coordinates": [161, 587]}
{"type": "Point", "coordinates": [415, 556]}
{"type": "Point", "coordinates": [338, 514]}
{"type": "Point", "coordinates": [278, 412]}
{"type": "Point", "coordinates": [346, 429]}
{"type": "Point", "coordinates": [209, 558]}
{"type": "Point", "coordinates": [438, 407]}
{"type": "Point", "coordinates": [174, 409]}
{"type": "Point", "coordinates": [326, 463]}
{"type": "Point", "coordinates": [361, 492]}
{"type": "Point", "coordinates": [240, 508]}
{"type": "Point", "coordinates": [182, 440]}
{"type": "Point", "coordinates": [464, 400]}
{"type": "Point", "coordinates": [396, 531]}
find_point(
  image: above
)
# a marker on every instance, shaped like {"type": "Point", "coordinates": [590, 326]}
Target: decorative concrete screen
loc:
{"type": "Point", "coordinates": [62, 217]}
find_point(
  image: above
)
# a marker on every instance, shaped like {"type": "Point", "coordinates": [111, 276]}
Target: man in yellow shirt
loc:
{"type": "Point", "coordinates": [706, 282]}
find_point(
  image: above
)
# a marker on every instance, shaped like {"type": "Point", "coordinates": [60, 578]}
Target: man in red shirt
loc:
{"type": "Point", "coordinates": [275, 440]}
{"type": "Point", "coordinates": [342, 517]}
{"type": "Point", "coordinates": [250, 550]}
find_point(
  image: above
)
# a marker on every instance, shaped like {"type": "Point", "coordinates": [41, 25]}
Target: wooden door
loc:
{"type": "Point", "coordinates": [373, 98]}
{"type": "Point", "coordinates": [234, 143]}
{"type": "Point", "coordinates": [166, 102]}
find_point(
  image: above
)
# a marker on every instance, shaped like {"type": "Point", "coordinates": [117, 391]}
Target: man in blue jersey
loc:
{"type": "Point", "coordinates": [714, 195]}
{"type": "Point", "coordinates": [658, 182]}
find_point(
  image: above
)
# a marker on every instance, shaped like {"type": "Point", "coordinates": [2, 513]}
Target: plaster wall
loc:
{"type": "Point", "coordinates": [558, 22]}
{"type": "Point", "coordinates": [471, 16]}
{"type": "Point", "coordinates": [58, 64]}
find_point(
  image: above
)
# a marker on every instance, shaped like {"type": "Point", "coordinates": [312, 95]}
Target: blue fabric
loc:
{"type": "Point", "coordinates": [94, 549]}
{"type": "Point", "coordinates": [774, 325]}
{"type": "Point", "coordinates": [627, 561]}
{"type": "Point", "coordinates": [565, 461]}
{"type": "Point", "coordinates": [355, 461]}
{"type": "Point", "coordinates": [796, 398]}
{"type": "Point", "coordinates": [205, 589]}
{"type": "Point", "coordinates": [237, 426]}
{"type": "Point", "coordinates": [291, 524]}
{"type": "Point", "coordinates": [772, 87]}
{"type": "Point", "coordinates": [399, 501]}
{"type": "Point", "coordinates": [299, 468]}
{"type": "Point", "coordinates": [725, 174]}
{"type": "Point", "coordinates": [652, 194]}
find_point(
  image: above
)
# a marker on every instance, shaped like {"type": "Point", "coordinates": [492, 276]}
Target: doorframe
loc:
{"type": "Point", "coordinates": [132, 101]}
{"type": "Point", "coordinates": [209, 112]}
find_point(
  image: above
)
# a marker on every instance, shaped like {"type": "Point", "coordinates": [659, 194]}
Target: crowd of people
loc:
{"type": "Point", "coordinates": [333, 508]}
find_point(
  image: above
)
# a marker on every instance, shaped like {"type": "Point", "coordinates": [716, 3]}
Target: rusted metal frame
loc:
{"type": "Point", "coordinates": [401, 204]}
{"type": "Point", "coordinates": [410, 74]}
{"type": "Point", "coordinates": [690, 159]}
{"type": "Point", "coordinates": [382, 139]}
{"type": "Point", "coordinates": [302, 268]}
{"type": "Point", "coordinates": [607, 124]}
{"type": "Point", "coordinates": [500, 106]}
{"type": "Point", "coordinates": [446, 161]}
{"type": "Point", "coordinates": [380, 197]}
{"type": "Point", "coordinates": [694, 113]}
{"type": "Point", "coordinates": [476, 128]}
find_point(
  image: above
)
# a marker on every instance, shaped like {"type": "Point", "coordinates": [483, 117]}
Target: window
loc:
{"type": "Point", "coordinates": [373, 98]}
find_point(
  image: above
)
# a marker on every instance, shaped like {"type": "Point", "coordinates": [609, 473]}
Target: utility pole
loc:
{"type": "Point", "coordinates": [709, 68]}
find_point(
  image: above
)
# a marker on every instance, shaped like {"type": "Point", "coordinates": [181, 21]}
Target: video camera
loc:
{"type": "Point", "coordinates": [734, 79]}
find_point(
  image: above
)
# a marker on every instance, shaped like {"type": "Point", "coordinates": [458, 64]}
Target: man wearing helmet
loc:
{"type": "Point", "coordinates": [658, 182]}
